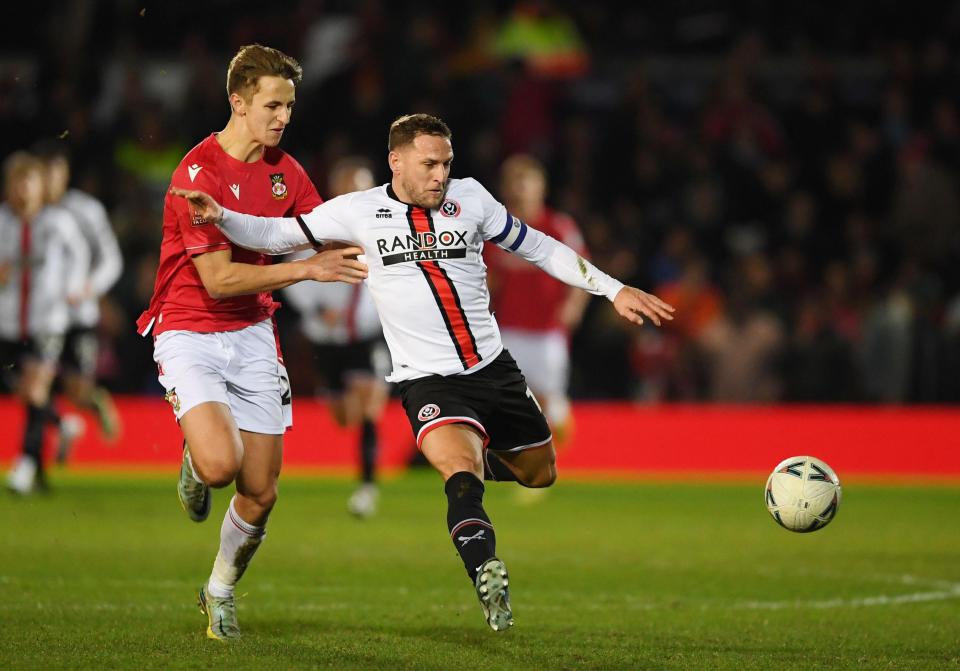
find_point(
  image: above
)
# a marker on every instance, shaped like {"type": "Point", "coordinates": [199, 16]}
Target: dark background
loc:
{"type": "Point", "coordinates": [785, 173]}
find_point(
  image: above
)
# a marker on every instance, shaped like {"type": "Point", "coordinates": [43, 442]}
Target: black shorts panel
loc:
{"type": "Point", "coordinates": [45, 349]}
{"type": "Point", "coordinates": [80, 350]}
{"type": "Point", "coordinates": [335, 363]}
{"type": "Point", "coordinates": [495, 398]}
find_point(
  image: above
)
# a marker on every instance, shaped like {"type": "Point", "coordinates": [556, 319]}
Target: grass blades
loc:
{"type": "Point", "coordinates": [103, 572]}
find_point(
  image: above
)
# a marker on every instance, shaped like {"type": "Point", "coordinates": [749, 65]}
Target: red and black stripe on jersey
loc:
{"type": "Point", "coordinates": [445, 293]}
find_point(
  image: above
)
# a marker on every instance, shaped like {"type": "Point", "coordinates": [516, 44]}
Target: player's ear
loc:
{"type": "Point", "coordinates": [237, 104]}
{"type": "Point", "coordinates": [393, 160]}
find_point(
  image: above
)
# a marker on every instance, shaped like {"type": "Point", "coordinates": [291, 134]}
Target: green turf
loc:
{"type": "Point", "coordinates": [102, 574]}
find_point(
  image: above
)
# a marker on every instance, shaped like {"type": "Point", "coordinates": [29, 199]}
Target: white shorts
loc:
{"type": "Point", "coordinates": [241, 369]}
{"type": "Point", "coordinates": [544, 359]}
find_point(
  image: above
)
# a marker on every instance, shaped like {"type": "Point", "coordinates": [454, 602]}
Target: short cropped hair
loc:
{"type": "Point", "coordinates": [406, 128]}
{"type": "Point", "coordinates": [524, 163]}
{"type": "Point", "coordinates": [49, 150]}
{"type": "Point", "coordinates": [254, 61]}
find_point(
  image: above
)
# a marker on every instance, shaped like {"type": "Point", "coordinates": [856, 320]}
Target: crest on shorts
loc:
{"type": "Point", "coordinates": [428, 412]}
{"type": "Point", "coordinates": [172, 398]}
{"type": "Point", "coordinates": [277, 186]}
{"type": "Point", "coordinates": [450, 208]}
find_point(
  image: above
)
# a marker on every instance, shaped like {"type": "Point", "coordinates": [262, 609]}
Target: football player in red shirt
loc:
{"type": "Point", "coordinates": [536, 312]}
{"type": "Point", "coordinates": [211, 316]}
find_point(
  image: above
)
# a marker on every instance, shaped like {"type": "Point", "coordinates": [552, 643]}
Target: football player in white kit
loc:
{"type": "Point", "coordinates": [43, 264]}
{"type": "Point", "coordinates": [79, 358]}
{"type": "Point", "coordinates": [467, 402]}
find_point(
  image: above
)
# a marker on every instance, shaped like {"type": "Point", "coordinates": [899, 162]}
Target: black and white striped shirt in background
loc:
{"type": "Point", "coordinates": [46, 260]}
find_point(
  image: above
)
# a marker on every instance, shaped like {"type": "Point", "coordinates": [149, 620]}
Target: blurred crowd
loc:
{"type": "Point", "coordinates": [786, 179]}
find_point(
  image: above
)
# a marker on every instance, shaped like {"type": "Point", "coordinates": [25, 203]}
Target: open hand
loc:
{"type": "Point", "coordinates": [336, 265]}
{"type": "Point", "coordinates": [204, 206]}
{"type": "Point", "coordinates": [630, 302]}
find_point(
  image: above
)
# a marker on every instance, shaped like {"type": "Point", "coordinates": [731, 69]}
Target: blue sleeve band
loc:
{"type": "Point", "coordinates": [505, 231]}
{"type": "Point", "coordinates": [519, 241]}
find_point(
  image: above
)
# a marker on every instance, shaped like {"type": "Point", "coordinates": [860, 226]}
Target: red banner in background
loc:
{"type": "Point", "coordinates": [607, 437]}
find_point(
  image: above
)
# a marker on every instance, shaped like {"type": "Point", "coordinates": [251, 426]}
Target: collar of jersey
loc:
{"type": "Point", "coordinates": [393, 194]}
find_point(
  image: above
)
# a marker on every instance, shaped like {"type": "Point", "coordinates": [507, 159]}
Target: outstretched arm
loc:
{"type": "Point", "coordinates": [566, 265]}
{"type": "Point", "coordinates": [268, 235]}
{"type": "Point", "coordinates": [223, 277]}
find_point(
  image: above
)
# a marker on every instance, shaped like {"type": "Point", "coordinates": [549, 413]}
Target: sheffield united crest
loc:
{"type": "Point", "coordinates": [450, 208]}
{"type": "Point", "coordinates": [428, 412]}
{"type": "Point", "coordinates": [277, 186]}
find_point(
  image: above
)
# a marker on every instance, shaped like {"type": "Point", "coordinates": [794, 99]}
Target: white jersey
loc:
{"type": "Point", "coordinates": [106, 262]}
{"type": "Point", "coordinates": [352, 304]}
{"type": "Point", "coordinates": [45, 260]}
{"type": "Point", "coordinates": [426, 271]}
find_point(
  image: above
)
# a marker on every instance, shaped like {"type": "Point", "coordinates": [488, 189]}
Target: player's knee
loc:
{"type": "Point", "coordinates": [474, 466]}
{"type": "Point", "coordinates": [216, 472]}
{"type": "Point", "coordinates": [265, 498]}
{"type": "Point", "coordinates": [543, 478]}
{"type": "Point", "coordinates": [544, 472]}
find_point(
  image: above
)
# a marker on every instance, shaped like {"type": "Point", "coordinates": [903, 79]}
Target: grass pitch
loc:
{"type": "Point", "coordinates": [103, 573]}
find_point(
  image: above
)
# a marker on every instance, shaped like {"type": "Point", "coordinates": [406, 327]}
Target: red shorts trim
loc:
{"type": "Point", "coordinates": [427, 428]}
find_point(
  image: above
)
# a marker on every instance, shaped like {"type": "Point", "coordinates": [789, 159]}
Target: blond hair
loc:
{"type": "Point", "coordinates": [18, 164]}
{"type": "Point", "coordinates": [254, 61]}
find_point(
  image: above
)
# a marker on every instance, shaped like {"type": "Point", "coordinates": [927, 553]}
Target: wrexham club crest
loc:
{"type": "Point", "coordinates": [174, 400]}
{"type": "Point", "coordinates": [277, 186]}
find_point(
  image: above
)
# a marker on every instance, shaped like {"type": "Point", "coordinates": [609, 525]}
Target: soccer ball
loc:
{"type": "Point", "coordinates": [803, 494]}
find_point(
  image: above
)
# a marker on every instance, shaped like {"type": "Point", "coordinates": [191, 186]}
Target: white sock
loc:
{"type": "Point", "coordinates": [239, 541]}
{"type": "Point", "coordinates": [192, 469]}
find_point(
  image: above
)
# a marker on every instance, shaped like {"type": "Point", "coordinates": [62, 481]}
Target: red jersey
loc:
{"type": "Point", "coordinates": [274, 186]}
{"type": "Point", "coordinates": [524, 297]}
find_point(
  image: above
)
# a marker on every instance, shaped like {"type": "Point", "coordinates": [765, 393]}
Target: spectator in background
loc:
{"type": "Point", "coordinates": [742, 348]}
{"type": "Point", "coordinates": [699, 305]}
{"type": "Point", "coordinates": [341, 322]}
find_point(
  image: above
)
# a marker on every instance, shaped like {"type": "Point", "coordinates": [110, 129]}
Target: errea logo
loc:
{"type": "Point", "coordinates": [384, 213]}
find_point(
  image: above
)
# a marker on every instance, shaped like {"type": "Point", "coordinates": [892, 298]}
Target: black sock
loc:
{"type": "Point", "coordinates": [33, 436]}
{"type": "Point", "coordinates": [495, 469]}
{"type": "Point", "coordinates": [50, 414]}
{"type": "Point", "coordinates": [470, 528]}
{"type": "Point", "coordinates": [368, 449]}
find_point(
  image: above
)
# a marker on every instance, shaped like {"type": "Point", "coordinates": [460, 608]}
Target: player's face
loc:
{"type": "Point", "coordinates": [267, 113]}
{"type": "Point", "coordinates": [524, 189]}
{"type": "Point", "coordinates": [423, 168]}
{"type": "Point", "coordinates": [351, 179]}
{"type": "Point", "coordinates": [25, 191]}
{"type": "Point", "coordinates": [57, 178]}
